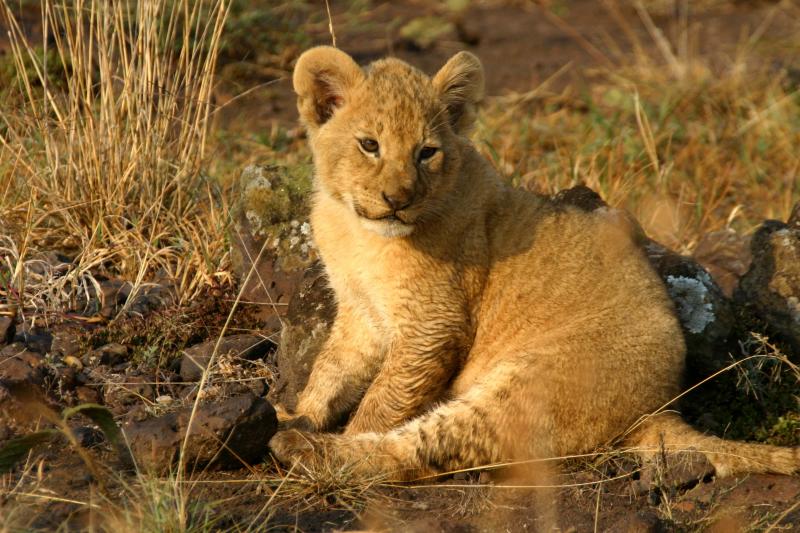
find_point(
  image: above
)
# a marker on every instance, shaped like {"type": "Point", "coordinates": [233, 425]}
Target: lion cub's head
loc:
{"type": "Point", "coordinates": [385, 138]}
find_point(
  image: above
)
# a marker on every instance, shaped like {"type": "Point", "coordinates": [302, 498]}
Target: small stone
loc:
{"type": "Point", "coordinates": [87, 394]}
{"type": "Point", "coordinates": [66, 343]}
{"type": "Point", "coordinates": [244, 423]}
{"type": "Point", "coordinates": [244, 346]}
{"type": "Point", "coordinates": [87, 436]}
{"type": "Point", "coordinates": [35, 338]}
{"type": "Point", "coordinates": [19, 365]}
{"type": "Point", "coordinates": [127, 390]}
{"type": "Point", "coordinates": [113, 295]}
{"type": "Point", "coordinates": [108, 354]}
{"type": "Point", "coordinates": [164, 399]}
{"type": "Point", "coordinates": [73, 361]}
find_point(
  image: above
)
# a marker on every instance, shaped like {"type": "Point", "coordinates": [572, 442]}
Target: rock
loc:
{"type": "Point", "coordinates": [86, 394]}
{"type": "Point", "coordinates": [271, 236]}
{"type": "Point", "coordinates": [112, 296]}
{"type": "Point", "coordinates": [7, 324]}
{"type": "Point", "coordinates": [243, 423]}
{"type": "Point", "coordinates": [726, 256]}
{"type": "Point", "coordinates": [579, 196]}
{"type": "Point", "coordinates": [87, 436]}
{"type": "Point", "coordinates": [66, 343]}
{"type": "Point", "coordinates": [109, 354]}
{"type": "Point", "coordinates": [151, 297]}
{"type": "Point", "coordinates": [35, 338]}
{"type": "Point", "coordinates": [126, 390]}
{"type": "Point", "coordinates": [66, 378]}
{"type": "Point", "coordinates": [19, 365]}
{"type": "Point", "coordinates": [706, 315]}
{"type": "Point", "coordinates": [245, 346]}
{"type": "Point", "coordinates": [771, 287]}
{"type": "Point", "coordinates": [306, 327]}
{"type": "Point", "coordinates": [673, 472]}
{"type": "Point", "coordinates": [794, 217]}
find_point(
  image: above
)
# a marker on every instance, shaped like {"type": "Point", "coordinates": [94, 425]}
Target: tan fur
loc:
{"type": "Point", "coordinates": [480, 323]}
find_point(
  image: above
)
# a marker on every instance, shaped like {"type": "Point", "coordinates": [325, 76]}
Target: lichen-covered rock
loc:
{"type": "Point", "coordinates": [271, 237]}
{"type": "Point", "coordinates": [705, 313]}
{"type": "Point", "coordinates": [771, 287]}
{"type": "Point", "coordinates": [305, 329]}
{"type": "Point", "coordinates": [227, 433]}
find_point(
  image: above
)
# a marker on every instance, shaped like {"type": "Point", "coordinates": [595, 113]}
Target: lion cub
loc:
{"type": "Point", "coordinates": [475, 323]}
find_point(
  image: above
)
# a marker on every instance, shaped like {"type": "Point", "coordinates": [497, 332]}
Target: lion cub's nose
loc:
{"type": "Point", "coordinates": [399, 199]}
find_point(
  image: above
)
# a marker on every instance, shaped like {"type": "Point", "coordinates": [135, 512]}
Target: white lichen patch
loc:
{"type": "Point", "coordinates": [691, 296]}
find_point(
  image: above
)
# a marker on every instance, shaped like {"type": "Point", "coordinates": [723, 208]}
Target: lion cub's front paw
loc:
{"type": "Point", "coordinates": [292, 446]}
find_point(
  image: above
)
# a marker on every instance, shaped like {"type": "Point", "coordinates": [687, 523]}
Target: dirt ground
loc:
{"type": "Point", "coordinates": [522, 47]}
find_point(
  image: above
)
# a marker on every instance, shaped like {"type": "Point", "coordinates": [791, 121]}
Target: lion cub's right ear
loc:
{"type": "Point", "coordinates": [322, 78]}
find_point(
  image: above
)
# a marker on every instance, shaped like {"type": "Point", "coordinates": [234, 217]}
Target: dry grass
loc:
{"type": "Point", "coordinates": [688, 146]}
{"type": "Point", "coordinates": [103, 145]}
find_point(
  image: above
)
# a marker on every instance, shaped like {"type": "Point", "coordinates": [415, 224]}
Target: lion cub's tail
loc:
{"type": "Point", "coordinates": [668, 432]}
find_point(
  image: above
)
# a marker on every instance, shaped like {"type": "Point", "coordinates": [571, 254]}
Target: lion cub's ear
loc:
{"type": "Point", "coordinates": [460, 84]}
{"type": "Point", "coordinates": [322, 78]}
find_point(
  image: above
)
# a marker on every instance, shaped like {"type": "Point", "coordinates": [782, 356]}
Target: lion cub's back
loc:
{"type": "Point", "coordinates": [570, 293]}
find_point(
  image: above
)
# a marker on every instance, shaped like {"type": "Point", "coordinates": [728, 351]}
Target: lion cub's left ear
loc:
{"type": "Point", "coordinates": [322, 78]}
{"type": "Point", "coordinates": [461, 86]}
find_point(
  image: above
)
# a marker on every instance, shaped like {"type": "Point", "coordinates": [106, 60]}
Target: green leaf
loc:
{"type": "Point", "coordinates": [105, 421]}
{"type": "Point", "coordinates": [16, 449]}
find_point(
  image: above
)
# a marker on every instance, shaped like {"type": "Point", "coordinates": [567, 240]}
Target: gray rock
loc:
{"type": "Point", "coordinates": [306, 327]}
{"type": "Point", "coordinates": [771, 287]}
{"type": "Point", "coordinates": [245, 346]}
{"type": "Point", "coordinates": [228, 433]}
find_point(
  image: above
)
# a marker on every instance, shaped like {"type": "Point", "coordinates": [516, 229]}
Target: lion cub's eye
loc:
{"type": "Point", "coordinates": [427, 152]}
{"type": "Point", "coordinates": [369, 145]}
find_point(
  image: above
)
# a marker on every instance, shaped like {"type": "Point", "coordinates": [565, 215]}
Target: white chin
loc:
{"type": "Point", "coordinates": [388, 228]}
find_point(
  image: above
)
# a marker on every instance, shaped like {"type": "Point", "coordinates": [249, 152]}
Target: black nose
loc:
{"type": "Point", "coordinates": [399, 200]}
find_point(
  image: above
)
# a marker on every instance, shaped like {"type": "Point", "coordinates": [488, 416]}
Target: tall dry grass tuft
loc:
{"type": "Point", "coordinates": [103, 143]}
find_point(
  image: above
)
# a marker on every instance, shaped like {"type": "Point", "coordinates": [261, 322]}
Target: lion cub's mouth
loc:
{"type": "Point", "coordinates": [388, 225]}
